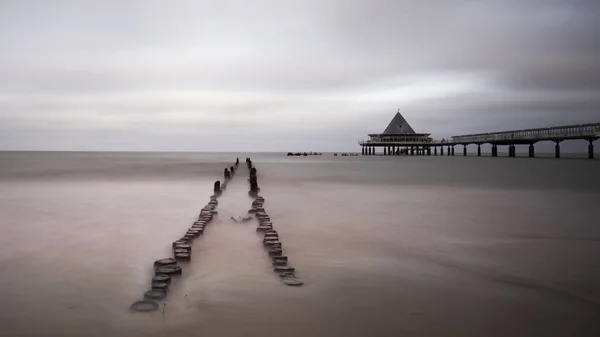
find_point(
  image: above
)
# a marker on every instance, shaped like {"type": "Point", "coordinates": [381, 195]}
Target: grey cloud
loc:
{"type": "Point", "coordinates": [193, 65]}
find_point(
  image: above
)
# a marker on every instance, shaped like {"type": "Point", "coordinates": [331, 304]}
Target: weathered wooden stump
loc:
{"type": "Point", "coordinates": [227, 174]}
{"type": "Point", "coordinates": [164, 262]}
{"type": "Point", "coordinates": [161, 278]}
{"type": "Point", "coordinates": [283, 269]}
{"type": "Point", "coordinates": [155, 294]}
{"type": "Point", "coordinates": [183, 256]}
{"type": "Point", "coordinates": [168, 270]}
{"type": "Point", "coordinates": [291, 281]}
{"type": "Point", "coordinates": [145, 306]}
{"type": "Point", "coordinates": [160, 285]}
{"type": "Point", "coordinates": [217, 188]}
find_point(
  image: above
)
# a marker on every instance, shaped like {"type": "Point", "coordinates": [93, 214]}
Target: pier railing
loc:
{"type": "Point", "coordinates": [582, 131]}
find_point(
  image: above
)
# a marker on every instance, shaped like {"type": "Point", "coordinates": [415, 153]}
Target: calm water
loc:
{"type": "Point", "coordinates": [387, 246]}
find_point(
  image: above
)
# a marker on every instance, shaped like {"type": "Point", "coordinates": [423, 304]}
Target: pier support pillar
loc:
{"type": "Point", "coordinates": [531, 151]}
{"type": "Point", "coordinates": [435, 150]}
{"type": "Point", "coordinates": [591, 149]}
{"type": "Point", "coordinates": [429, 151]}
{"type": "Point", "coordinates": [478, 150]}
{"type": "Point", "coordinates": [441, 150]}
{"type": "Point", "coordinates": [494, 150]}
{"type": "Point", "coordinates": [412, 150]}
{"type": "Point", "coordinates": [384, 151]}
{"type": "Point", "coordinates": [453, 150]}
{"type": "Point", "coordinates": [511, 150]}
{"type": "Point", "coordinates": [464, 150]}
{"type": "Point", "coordinates": [557, 149]}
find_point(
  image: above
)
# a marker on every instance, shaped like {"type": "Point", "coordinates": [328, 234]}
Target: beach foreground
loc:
{"type": "Point", "coordinates": [387, 246]}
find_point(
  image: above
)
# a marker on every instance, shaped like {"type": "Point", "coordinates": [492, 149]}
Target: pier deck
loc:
{"type": "Point", "coordinates": [557, 134]}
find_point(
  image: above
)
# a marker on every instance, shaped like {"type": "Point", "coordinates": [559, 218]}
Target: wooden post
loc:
{"type": "Point", "coordinates": [531, 151]}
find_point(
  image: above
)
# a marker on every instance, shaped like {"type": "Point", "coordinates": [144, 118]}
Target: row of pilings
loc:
{"type": "Point", "coordinates": [270, 237]}
{"type": "Point", "coordinates": [429, 150]}
{"type": "Point", "coordinates": [166, 268]}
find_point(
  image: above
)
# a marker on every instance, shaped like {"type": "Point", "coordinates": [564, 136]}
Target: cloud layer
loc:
{"type": "Point", "coordinates": [275, 76]}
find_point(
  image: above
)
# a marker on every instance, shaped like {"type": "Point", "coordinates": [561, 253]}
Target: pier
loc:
{"type": "Point", "coordinates": [399, 138]}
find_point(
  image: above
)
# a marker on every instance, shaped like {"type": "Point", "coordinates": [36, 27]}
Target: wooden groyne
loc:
{"type": "Point", "coordinates": [167, 268]}
{"type": "Point", "coordinates": [270, 238]}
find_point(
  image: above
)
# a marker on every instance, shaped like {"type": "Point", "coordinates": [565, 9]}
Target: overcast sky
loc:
{"type": "Point", "coordinates": [287, 76]}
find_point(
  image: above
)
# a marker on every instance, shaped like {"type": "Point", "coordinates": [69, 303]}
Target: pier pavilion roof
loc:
{"type": "Point", "coordinates": [399, 126]}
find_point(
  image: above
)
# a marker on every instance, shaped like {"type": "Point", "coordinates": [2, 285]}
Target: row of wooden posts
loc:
{"type": "Point", "coordinates": [165, 269]}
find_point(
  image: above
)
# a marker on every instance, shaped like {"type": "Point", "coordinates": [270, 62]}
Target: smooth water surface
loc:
{"type": "Point", "coordinates": [386, 246]}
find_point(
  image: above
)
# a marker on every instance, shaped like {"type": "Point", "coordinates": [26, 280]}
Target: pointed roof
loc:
{"type": "Point", "coordinates": [399, 125]}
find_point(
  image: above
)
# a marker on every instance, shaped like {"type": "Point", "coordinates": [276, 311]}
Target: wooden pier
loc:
{"type": "Point", "coordinates": [399, 138]}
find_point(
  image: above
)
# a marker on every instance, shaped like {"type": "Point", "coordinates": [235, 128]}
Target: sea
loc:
{"type": "Point", "coordinates": [385, 246]}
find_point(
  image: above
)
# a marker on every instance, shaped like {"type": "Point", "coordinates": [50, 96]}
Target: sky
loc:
{"type": "Point", "coordinates": [306, 75]}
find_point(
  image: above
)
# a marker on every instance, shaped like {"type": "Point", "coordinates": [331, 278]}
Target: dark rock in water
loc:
{"type": "Point", "coordinates": [168, 270]}
{"type": "Point", "coordinates": [183, 256]}
{"type": "Point", "coordinates": [155, 294]}
{"type": "Point", "coordinates": [164, 262]}
{"type": "Point", "coordinates": [271, 238]}
{"type": "Point", "coordinates": [181, 251]}
{"type": "Point", "coordinates": [284, 269]}
{"type": "Point", "coordinates": [189, 236]}
{"type": "Point", "coordinates": [145, 306]}
{"type": "Point", "coordinates": [275, 252]}
{"type": "Point", "coordinates": [161, 278]}
{"type": "Point", "coordinates": [217, 187]}
{"type": "Point", "coordinates": [160, 285]}
{"type": "Point", "coordinates": [291, 281]}
{"type": "Point", "coordinates": [279, 263]}
{"type": "Point", "coordinates": [284, 275]}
